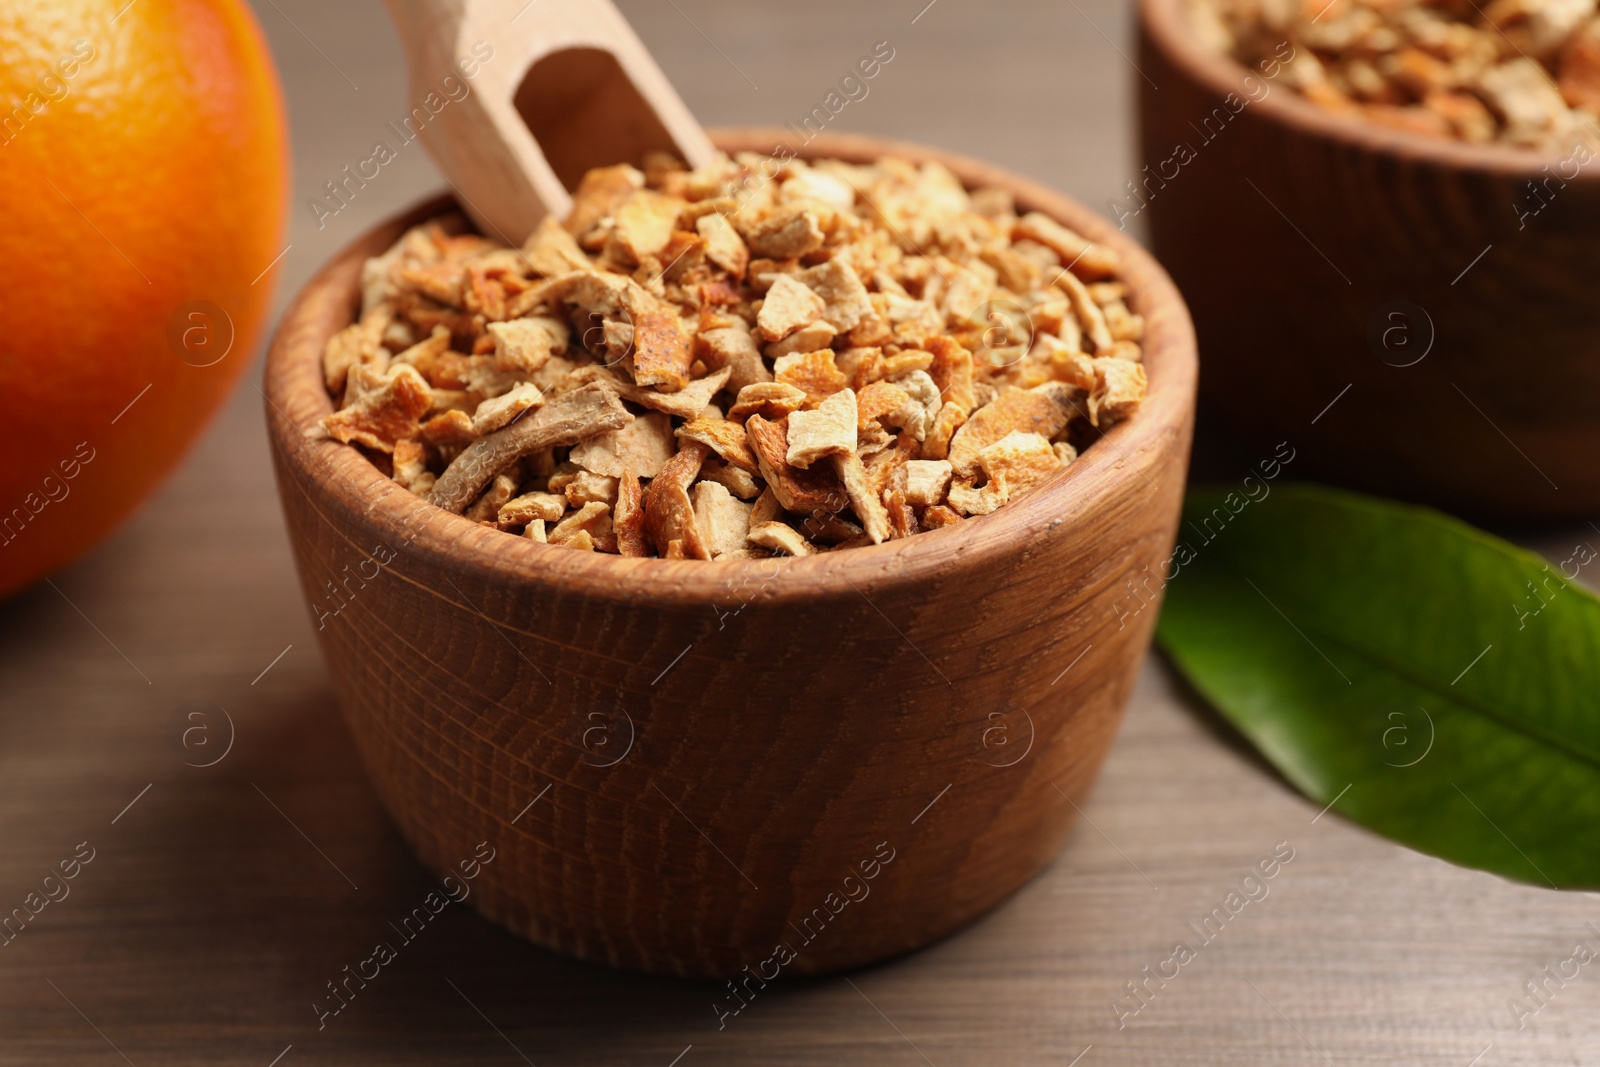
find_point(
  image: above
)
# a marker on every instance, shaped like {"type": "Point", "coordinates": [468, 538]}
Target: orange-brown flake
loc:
{"type": "Point", "coordinates": [386, 412]}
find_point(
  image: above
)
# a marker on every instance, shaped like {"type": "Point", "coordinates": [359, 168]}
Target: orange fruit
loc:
{"type": "Point", "coordinates": [143, 165]}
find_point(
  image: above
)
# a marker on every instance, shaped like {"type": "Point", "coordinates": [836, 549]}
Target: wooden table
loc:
{"type": "Point", "coordinates": [221, 899]}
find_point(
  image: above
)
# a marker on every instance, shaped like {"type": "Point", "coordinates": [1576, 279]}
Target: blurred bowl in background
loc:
{"type": "Point", "coordinates": [1406, 311]}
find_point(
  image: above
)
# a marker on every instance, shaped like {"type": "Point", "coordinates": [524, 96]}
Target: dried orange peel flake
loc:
{"type": "Point", "coordinates": [754, 358]}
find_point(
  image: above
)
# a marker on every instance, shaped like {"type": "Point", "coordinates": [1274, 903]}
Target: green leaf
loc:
{"type": "Point", "coordinates": [1450, 680]}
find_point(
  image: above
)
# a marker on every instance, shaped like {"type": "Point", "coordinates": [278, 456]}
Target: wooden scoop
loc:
{"type": "Point", "coordinates": [555, 87]}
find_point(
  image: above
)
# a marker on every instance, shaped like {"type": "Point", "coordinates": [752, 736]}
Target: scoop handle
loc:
{"type": "Point", "coordinates": [516, 99]}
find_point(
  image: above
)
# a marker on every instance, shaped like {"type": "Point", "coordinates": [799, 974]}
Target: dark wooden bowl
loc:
{"type": "Point", "coordinates": [1317, 252]}
{"type": "Point", "coordinates": [682, 765]}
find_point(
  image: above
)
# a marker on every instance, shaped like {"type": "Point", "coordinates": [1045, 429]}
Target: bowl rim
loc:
{"type": "Point", "coordinates": [1166, 27]}
{"type": "Point", "coordinates": [351, 483]}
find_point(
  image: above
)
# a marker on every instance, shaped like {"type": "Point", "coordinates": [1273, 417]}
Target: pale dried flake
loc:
{"type": "Point", "coordinates": [449, 428]}
{"type": "Point", "coordinates": [812, 338]}
{"type": "Point", "coordinates": [1521, 93]}
{"type": "Point", "coordinates": [627, 518]}
{"type": "Point", "coordinates": [599, 194]}
{"type": "Point", "coordinates": [487, 507]}
{"type": "Point", "coordinates": [1015, 272]}
{"type": "Point", "coordinates": [722, 519]}
{"type": "Point", "coordinates": [724, 246]}
{"type": "Point", "coordinates": [1580, 68]}
{"type": "Point", "coordinates": [828, 429]}
{"type": "Point", "coordinates": [781, 538]}
{"type": "Point", "coordinates": [788, 306]}
{"type": "Point", "coordinates": [536, 531]}
{"type": "Point", "coordinates": [426, 354]}
{"type": "Point", "coordinates": [1065, 452]}
{"type": "Point", "coordinates": [920, 415]}
{"type": "Point", "coordinates": [529, 507]}
{"type": "Point", "coordinates": [567, 420]}
{"type": "Point", "coordinates": [551, 251]}
{"type": "Point", "coordinates": [811, 184]}
{"type": "Point", "coordinates": [741, 483]}
{"type": "Point", "coordinates": [805, 491]}
{"type": "Point", "coordinates": [950, 420]}
{"type": "Point", "coordinates": [772, 400]}
{"type": "Point", "coordinates": [643, 445]}
{"type": "Point", "coordinates": [845, 298]}
{"type": "Point", "coordinates": [951, 370]}
{"type": "Point", "coordinates": [1044, 411]}
{"type": "Point", "coordinates": [735, 348]}
{"type": "Point", "coordinates": [1090, 317]}
{"type": "Point", "coordinates": [1123, 324]}
{"type": "Point", "coordinates": [661, 344]}
{"type": "Point", "coordinates": [587, 487]}
{"type": "Point", "coordinates": [912, 319]}
{"type": "Point", "coordinates": [872, 440]}
{"type": "Point", "coordinates": [686, 403]}
{"type": "Point", "coordinates": [644, 224]}
{"type": "Point", "coordinates": [410, 463]}
{"type": "Point", "coordinates": [461, 400]}
{"type": "Point", "coordinates": [863, 496]}
{"type": "Point", "coordinates": [386, 411]}
{"type": "Point", "coordinates": [966, 298]}
{"type": "Point", "coordinates": [669, 520]}
{"type": "Point", "coordinates": [882, 400]}
{"type": "Point", "coordinates": [767, 508]}
{"type": "Point", "coordinates": [558, 479]}
{"type": "Point", "coordinates": [587, 528]}
{"type": "Point", "coordinates": [1050, 313]}
{"type": "Point", "coordinates": [1119, 389]}
{"type": "Point", "coordinates": [786, 233]}
{"type": "Point", "coordinates": [498, 411]}
{"type": "Point", "coordinates": [938, 517]}
{"type": "Point", "coordinates": [813, 372]}
{"type": "Point", "coordinates": [359, 344]}
{"type": "Point", "coordinates": [1083, 256]}
{"type": "Point", "coordinates": [1540, 27]}
{"type": "Point", "coordinates": [1076, 369]}
{"type": "Point", "coordinates": [884, 465]}
{"type": "Point", "coordinates": [926, 481]}
{"type": "Point", "coordinates": [969, 500]}
{"type": "Point", "coordinates": [525, 345]}
{"type": "Point", "coordinates": [902, 516]}
{"type": "Point", "coordinates": [1018, 462]}
{"type": "Point", "coordinates": [379, 273]}
{"type": "Point", "coordinates": [896, 367]}
{"type": "Point", "coordinates": [441, 282]}
{"type": "Point", "coordinates": [724, 437]}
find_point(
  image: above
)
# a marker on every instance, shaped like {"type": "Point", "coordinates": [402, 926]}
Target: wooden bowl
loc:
{"type": "Point", "coordinates": [680, 766]}
{"type": "Point", "coordinates": [1319, 253]}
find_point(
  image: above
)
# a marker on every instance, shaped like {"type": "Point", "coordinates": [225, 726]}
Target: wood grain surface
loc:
{"type": "Point", "coordinates": [217, 906]}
